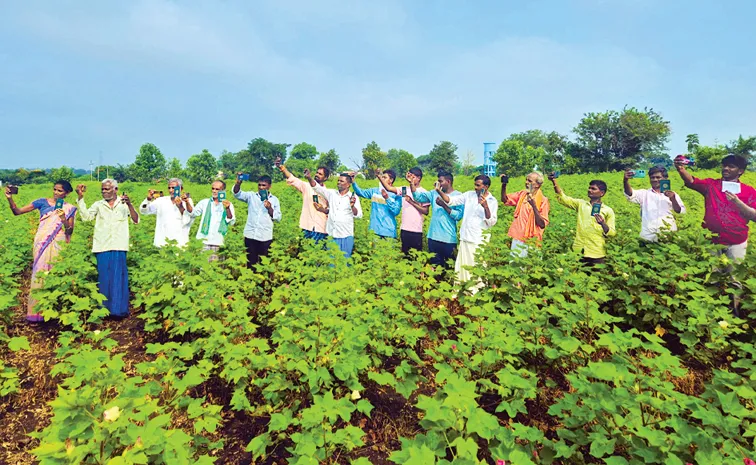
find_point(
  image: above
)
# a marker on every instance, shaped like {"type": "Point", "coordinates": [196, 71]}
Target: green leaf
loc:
{"type": "Point", "coordinates": [18, 343]}
{"type": "Point", "coordinates": [615, 460]}
{"type": "Point", "coordinates": [601, 445]}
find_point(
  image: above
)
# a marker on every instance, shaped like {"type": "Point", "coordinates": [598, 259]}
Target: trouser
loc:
{"type": "Point", "coordinates": [113, 281]}
{"type": "Point", "coordinates": [215, 249]}
{"type": "Point", "coordinates": [317, 236]}
{"type": "Point", "coordinates": [466, 258]}
{"type": "Point", "coordinates": [255, 250]}
{"type": "Point", "coordinates": [589, 262]}
{"type": "Point", "coordinates": [411, 240]}
{"type": "Point", "coordinates": [346, 245]}
{"type": "Point", "coordinates": [736, 252]}
{"type": "Point", "coordinates": [519, 248]}
{"type": "Point", "coordinates": [441, 252]}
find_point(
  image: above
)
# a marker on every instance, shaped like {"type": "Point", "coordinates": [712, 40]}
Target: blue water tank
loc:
{"type": "Point", "coordinates": [489, 166]}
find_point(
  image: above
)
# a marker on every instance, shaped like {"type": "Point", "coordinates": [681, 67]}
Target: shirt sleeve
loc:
{"type": "Point", "coordinates": [364, 193]}
{"type": "Point", "coordinates": [512, 199]}
{"type": "Point", "coordinates": [493, 206]}
{"type": "Point", "coordinates": [276, 209]}
{"type": "Point", "coordinates": [297, 183]}
{"type": "Point", "coordinates": [609, 218]}
{"type": "Point", "coordinates": [568, 202]}
{"type": "Point", "coordinates": [455, 200]}
{"type": "Point", "coordinates": [422, 197]}
{"type": "Point", "coordinates": [457, 212]}
{"type": "Point", "coordinates": [680, 202]}
{"type": "Point", "coordinates": [242, 195]}
{"type": "Point", "coordinates": [637, 196]}
{"type": "Point", "coordinates": [39, 204]}
{"type": "Point", "coordinates": [358, 206]}
{"type": "Point", "coordinates": [321, 191]}
{"type": "Point", "coordinates": [147, 207]}
{"type": "Point", "coordinates": [544, 211]}
{"type": "Point", "coordinates": [187, 217]}
{"type": "Point", "coordinates": [231, 220]}
{"type": "Point", "coordinates": [395, 206]}
{"type": "Point", "coordinates": [199, 209]}
{"type": "Point", "coordinates": [86, 214]}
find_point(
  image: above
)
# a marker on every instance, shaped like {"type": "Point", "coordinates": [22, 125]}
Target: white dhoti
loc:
{"type": "Point", "coordinates": [466, 258]}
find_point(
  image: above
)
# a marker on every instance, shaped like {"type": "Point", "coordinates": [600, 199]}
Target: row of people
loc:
{"type": "Point", "coordinates": [729, 206]}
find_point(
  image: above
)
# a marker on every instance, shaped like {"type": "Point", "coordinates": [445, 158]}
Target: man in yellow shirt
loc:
{"type": "Point", "coordinates": [595, 221]}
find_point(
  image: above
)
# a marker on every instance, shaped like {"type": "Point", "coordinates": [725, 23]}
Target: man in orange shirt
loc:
{"type": "Point", "coordinates": [531, 213]}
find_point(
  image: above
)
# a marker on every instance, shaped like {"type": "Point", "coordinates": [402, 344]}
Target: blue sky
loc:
{"type": "Point", "coordinates": [91, 80]}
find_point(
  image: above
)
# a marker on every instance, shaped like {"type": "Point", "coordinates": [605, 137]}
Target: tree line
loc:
{"type": "Point", "coordinates": [607, 141]}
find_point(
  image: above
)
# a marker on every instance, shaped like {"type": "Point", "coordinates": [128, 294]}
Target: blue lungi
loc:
{"type": "Point", "coordinates": [346, 245]}
{"type": "Point", "coordinates": [113, 281]}
{"type": "Point", "coordinates": [316, 236]}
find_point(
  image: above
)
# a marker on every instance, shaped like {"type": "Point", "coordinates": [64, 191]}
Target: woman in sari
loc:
{"type": "Point", "coordinates": [55, 226]}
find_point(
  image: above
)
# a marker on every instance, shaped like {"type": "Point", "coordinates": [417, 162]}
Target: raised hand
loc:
{"type": "Point", "coordinates": [552, 176]}
{"type": "Point", "coordinates": [125, 199]}
{"type": "Point", "coordinates": [352, 200]}
{"type": "Point", "coordinates": [177, 201]}
{"type": "Point", "coordinates": [226, 203]}
{"type": "Point", "coordinates": [384, 193]}
{"type": "Point", "coordinates": [504, 178]}
{"type": "Point", "coordinates": [61, 214]}
{"type": "Point", "coordinates": [151, 194]}
{"type": "Point", "coordinates": [80, 190]}
{"type": "Point", "coordinates": [440, 202]}
{"type": "Point", "coordinates": [278, 162]}
{"type": "Point", "coordinates": [307, 173]}
{"type": "Point", "coordinates": [8, 194]}
{"type": "Point", "coordinates": [599, 219]}
{"type": "Point", "coordinates": [671, 195]}
{"type": "Point", "coordinates": [319, 207]}
{"type": "Point", "coordinates": [266, 204]}
{"type": "Point", "coordinates": [629, 173]}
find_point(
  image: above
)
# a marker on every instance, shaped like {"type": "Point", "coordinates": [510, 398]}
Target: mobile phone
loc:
{"type": "Point", "coordinates": [315, 199]}
{"type": "Point", "coordinates": [664, 185]}
{"type": "Point", "coordinates": [639, 173]}
{"type": "Point", "coordinates": [436, 185]}
{"type": "Point", "coordinates": [596, 209]}
{"type": "Point", "coordinates": [13, 189]}
{"type": "Point", "coordinates": [504, 179]}
{"type": "Point", "coordinates": [263, 195]}
{"type": "Point", "coordinates": [404, 191]}
{"type": "Point", "coordinates": [59, 204]}
{"type": "Point", "coordinates": [557, 173]}
{"type": "Point", "coordinates": [243, 177]}
{"type": "Point", "coordinates": [176, 191]}
{"type": "Point", "coordinates": [221, 196]}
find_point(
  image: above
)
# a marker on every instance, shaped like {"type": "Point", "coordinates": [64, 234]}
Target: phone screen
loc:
{"type": "Point", "coordinates": [315, 199]}
{"type": "Point", "coordinates": [13, 190]}
{"type": "Point", "coordinates": [404, 190]}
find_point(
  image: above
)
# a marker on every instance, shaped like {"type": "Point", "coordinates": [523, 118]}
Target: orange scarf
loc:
{"type": "Point", "coordinates": [538, 197]}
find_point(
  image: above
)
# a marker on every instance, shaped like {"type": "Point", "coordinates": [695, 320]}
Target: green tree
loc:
{"type": "Point", "coordinates": [443, 156]}
{"type": "Point", "coordinates": [330, 160]}
{"type": "Point", "coordinates": [372, 159]}
{"type": "Point", "coordinates": [400, 161]}
{"type": "Point", "coordinates": [743, 146]}
{"type": "Point", "coordinates": [65, 173]}
{"type": "Point", "coordinates": [228, 162]}
{"type": "Point", "coordinates": [174, 169]}
{"type": "Point", "coordinates": [259, 157]}
{"type": "Point", "coordinates": [304, 151]}
{"type": "Point", "coordinates": [692, 141]}
{"type": "Point", "coordinates": [515, 158]}
{"type": "Point", "coordinates": [708, 157]}
{"type": "Point", "coordinates": [149, 164]}
{"type": "Point", "coordinates": [201, 167]}
{"type": "Point", "coordinates": [618, 140]}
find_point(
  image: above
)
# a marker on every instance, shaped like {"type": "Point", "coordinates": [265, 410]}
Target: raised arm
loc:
{"type": "Point", "coordinates": [626, 182]}
{"type": "Point", "coordinates": [14, 208]}
{"type": "Point", "coordinates": [688, 179]}
{"type": "Point", "coordinates": [392, 189]}
{"type": "Point", "coordinates": [364, 193]}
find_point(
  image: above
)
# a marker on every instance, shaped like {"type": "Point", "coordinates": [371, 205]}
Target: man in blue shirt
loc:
{"type": "Point", "coordinates": [384, 207]}
{"type": "Point", "coordinates": [442, 232]}
{"type": "Point", "coordinates": [262, 210]}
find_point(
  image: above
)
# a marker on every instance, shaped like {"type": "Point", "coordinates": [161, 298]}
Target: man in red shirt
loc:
{"type": "Point", "coordinates": [729, 205]}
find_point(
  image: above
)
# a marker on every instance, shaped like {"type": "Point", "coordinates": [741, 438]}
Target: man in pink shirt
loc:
{"type": "Point", "coordinates": [729, 205]}
{"type": "Point", "coordinates": [413, 212]}
{"type": "Point", "coordinates": [312, 221]}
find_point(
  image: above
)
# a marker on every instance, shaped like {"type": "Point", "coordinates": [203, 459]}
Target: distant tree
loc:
{"type": "Point", "coordinates": [149, 164]}
{"type": "Point", "coordinates": [424, 161]}
{"type": "Point", "coordinates": [121, 173]}
{"type": "Point", "coordinates": [201, 167]}
{"type": "Point", "coordinates": [443, 156]}
{"type": "Point", "coordinates": [259, 157]}
{"type": "Point", "coordinates": [618, 140]}
{"type": "Point", "coordinates": [400, 161]}
{"type": "Point", "coordinates": [63, 172]}
{"type": "Point", "coordinates": [304, 151]}
{"type": "Point", "coordinates": [174, 169]}
{"type": "Point", "coordinates": [515, 158]}
{"type": "Point", "coordinates": [468, 165]}
{"type": "Point", "coordinates": [372, 159]}
{"type": "Point", "coordinates": [745, 147]}
{"type": "Point", "coordinates": [329, 159]}
{"type": "Point", "coordinates": [228, 162]}
{"type": "Point", "coordinates": [692, 141]}
{"type": "Point", "coordinates": [709, 157]}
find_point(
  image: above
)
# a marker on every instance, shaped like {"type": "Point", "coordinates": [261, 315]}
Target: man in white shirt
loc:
{"type": "Point", "coordinates": [656, 206]}
{"type": "Point", "coordinates": [217, 215]}
{"type": "Point", "coordinates": [173, 220]}
{"type": "Point", "coordinates": [480, 215]}
{"type": "Point", "coordinates": [110, 243]}
{"type": "Point", "coordinates": [263, 208]}
{"type": "Point", "coordinates": [343, 207]}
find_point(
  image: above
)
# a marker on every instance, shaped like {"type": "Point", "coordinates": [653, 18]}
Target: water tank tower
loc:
{"type": "Point", "coordinates": [489, 165]}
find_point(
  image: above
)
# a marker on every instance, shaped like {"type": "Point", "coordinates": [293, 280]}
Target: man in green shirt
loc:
{"type": "Point", "coordinates": [110, 242]}
{"type": "Point", "coordinates": [595, 221]}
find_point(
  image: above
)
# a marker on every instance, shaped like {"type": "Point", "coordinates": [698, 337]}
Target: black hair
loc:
{"type": "Point", "coordinates": [346, 175]}
{"type": "Point", "coordinates": [658, 169]}
{"type": "Point", "coordinates": [417, 172]}
{"type": "Point", "coordinates": [391, 174]}
{"type": "Point", "coordinates": [446, 174]}
{"type": "Point", "coordinates": [64, 184]}
{"type": "Point", "coordinates": [325, 170]}
{"type": "Point", "coordinates": [598, 183]}
{"type": "Point", "coordinates": [265, 178]}
{"type": "Point", "coordinates": [735, 160]}
{"type": "Point", "coordinates": [486, 180]}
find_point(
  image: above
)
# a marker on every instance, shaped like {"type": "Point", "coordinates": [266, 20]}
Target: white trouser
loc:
{"type": "Point", "coordinates": [519, 248]}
